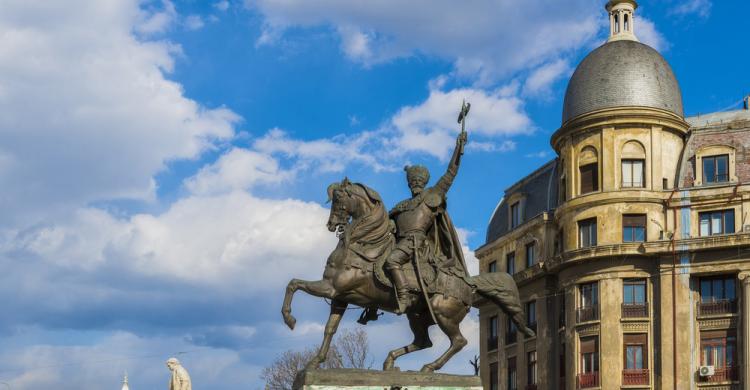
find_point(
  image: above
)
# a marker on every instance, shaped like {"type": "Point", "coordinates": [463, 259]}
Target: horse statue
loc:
{"type": "Point", "coordinates": [354, 274]}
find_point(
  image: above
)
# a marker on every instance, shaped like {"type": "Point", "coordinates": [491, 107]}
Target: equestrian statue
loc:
{"type": "Point", "coordinates": [406, 261]}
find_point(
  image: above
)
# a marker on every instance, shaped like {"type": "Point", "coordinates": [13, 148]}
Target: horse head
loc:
{"type": "Point", "coordinates": [349, 200]}
{"type": "Point", "coordinates": [343, 205]}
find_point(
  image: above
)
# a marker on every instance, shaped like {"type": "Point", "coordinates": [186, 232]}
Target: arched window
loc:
{"type": "Point", "coordinates": [588, 166]}
{"type": "Point", "coordinates": [633, 165]}
{"type": "Point", "coordinates": [627, 26]}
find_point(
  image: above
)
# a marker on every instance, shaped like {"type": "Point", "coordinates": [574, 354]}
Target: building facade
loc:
{"type": "Point", "coordinates": [631, 249]}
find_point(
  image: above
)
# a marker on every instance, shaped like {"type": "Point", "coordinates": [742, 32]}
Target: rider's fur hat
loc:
{"type": "Point", "coordinates": [419, 171]}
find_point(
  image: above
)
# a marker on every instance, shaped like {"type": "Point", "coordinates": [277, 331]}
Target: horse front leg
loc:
{"type": "Point", "coordinates": [337, 312]}
{"type": "Point", "coordinates": [319, 288]}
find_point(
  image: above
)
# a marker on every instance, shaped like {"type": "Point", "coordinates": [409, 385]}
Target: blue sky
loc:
{"type": "Point", "coordinates": [155, 156]}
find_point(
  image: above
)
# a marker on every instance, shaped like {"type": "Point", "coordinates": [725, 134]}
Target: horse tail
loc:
{"type": "Point", "coordinates": [500, 288]}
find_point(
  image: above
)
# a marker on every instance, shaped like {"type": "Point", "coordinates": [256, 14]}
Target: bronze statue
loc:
{"type": "Point", "coordinates": [422, 254]}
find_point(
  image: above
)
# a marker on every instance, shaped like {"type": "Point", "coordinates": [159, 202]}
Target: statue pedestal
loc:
{"type": "Point", "coordinates": [351, 379]}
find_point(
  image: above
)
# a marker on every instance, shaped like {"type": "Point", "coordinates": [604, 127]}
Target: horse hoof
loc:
{"type": "Point", "coordinates": [427, 368]}
{"type": "Point", "coordinates": [290, 321]}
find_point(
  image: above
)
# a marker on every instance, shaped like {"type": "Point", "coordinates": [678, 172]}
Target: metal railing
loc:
{"type": "Point", "coordinates": [635, 377]}
{"type": "Point", "coordinates": [635, 310]}
{"type": "Point", "coordinates": [722, 374]}
{"type": "Point", "coordinates": [587, 313]}
{"type": "Point", "coordinates": [718, 306]}
{"type": "Point", "coordinates": [587, 380]}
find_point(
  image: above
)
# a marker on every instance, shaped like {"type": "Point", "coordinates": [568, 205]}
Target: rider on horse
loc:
{"type": "Point", "coordinates": [423, 219]}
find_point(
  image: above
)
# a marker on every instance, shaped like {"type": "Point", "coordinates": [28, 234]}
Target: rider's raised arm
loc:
{"type": "Point", "coordinates": [445, 182]}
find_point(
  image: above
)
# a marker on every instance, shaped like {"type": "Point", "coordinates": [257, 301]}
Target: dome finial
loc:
{"type": "Point", "coordinates": [621, 20]}
{"type": "Point", "coordinates": [125, 385]}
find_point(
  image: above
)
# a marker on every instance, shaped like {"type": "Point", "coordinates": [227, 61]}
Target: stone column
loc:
{"type": "Point", "coordinates": [745, 334]}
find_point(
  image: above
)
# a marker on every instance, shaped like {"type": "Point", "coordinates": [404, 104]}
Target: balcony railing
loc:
{"type": "Point", "coordinates": [510, 337]}
{"type": "Point", "coordinates": [635, 377]}
{"type": "Point", "coordinates": [587, 380]}
{"type": "Point", "coordinates": [719, 306]}
{"type": "Point", "coordinates": [492, 343]}
{"type": "Point", "coordinates": [635, 310]}
{"type": "Point", "coordinates": [587, 313]}
{"type": "Point", "coordinates": [722, 374]}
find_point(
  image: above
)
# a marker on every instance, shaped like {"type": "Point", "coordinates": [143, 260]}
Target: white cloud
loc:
{"type": "Point", "coordinates": [430, 127]}
{"type": "Point", "coordinates": [647, 33]}
{"type": "Point", "coordinates": [539, 154]}
{"type": "Point", "coordinates": [155, 21]}
{"type": "Point", "coordinates": [237, 169]}
{"type": "Point", "coordinates": [323, 155]}
{"type": "Point", "coordinates": [87, 113]}
{"type": "Point", "coordinates": [701, 8]}
{"type": "Point", "coordinates": [541, 78]}
{"type": "Point", "coordinates": [194, 22]}
{"type": "Point", "coordinates": [485, 39]}
{"type": "Point", "coordinates": [222, 5]}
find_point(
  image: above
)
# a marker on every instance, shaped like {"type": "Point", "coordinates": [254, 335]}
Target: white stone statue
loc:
{"type": "Point", "coordinates": [180, 378]}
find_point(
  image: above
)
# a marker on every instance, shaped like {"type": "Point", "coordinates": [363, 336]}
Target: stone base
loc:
{"type": "Point", "coordinates": [352, 379]}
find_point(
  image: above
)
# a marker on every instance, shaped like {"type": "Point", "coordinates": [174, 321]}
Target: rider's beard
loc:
{"type": "Point", "coordinates": [416, 190]}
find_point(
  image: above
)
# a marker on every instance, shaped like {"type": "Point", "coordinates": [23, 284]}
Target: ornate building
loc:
{"type": "Point", "coordinates": [631, 248]}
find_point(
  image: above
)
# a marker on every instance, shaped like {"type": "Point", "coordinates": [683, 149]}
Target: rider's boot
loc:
{"type": "Point", "coordinates": [402, 290]}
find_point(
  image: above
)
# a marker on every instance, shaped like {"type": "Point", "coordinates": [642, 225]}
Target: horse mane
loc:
{"type": "Point", "coordinates": [374, 226]}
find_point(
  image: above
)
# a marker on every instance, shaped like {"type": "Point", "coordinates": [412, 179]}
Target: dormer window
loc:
{"type": "Point", "coordinates": [716, 169]}
{"type": "Point", "coordinates": [515, 214]}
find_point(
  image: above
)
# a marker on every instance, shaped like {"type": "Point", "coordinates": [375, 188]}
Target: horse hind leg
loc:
{"type": "Point", "coordinates": [319, 288]}
{"type": "Point", "coordinates": [449, 313]}
{"type": "Point", "coordinates": [419, 326]}
{"type": "Point", "coordinates": [338, 308]}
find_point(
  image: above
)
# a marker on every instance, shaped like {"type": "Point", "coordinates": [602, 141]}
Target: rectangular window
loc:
{"type": "Point", "coordinates": [515, 214]}
{"type": "Point", "coordinates": [634, 291]}
{"type": "Point", "coordinates": [589, 355]}
{"type": "Point", "coordinates": [718, 295]}
{"type": "Point", "coordinates": [587, 233]}
{"type": "Point", "coordinates": [716, 169]}
{"type": "Point", "coordinates": [635, 353]}
{"type": "Point", "coordinates": [531, 314]}
{"type": "Point", "coordinates": [512, 380]}
{"type": "Point", "coordinates": [634, 228]}
{"type": "Point", "coordinates": [719, 349]}
{"type": "Point", "coordinates": [588, 308]}
{"type": "Point", "coordinates": [492, 267]}
{"type": "Point", "coordinates": [716, 222]}
{"type": "Point", "coordinates": [494, 385]}
{"type": "Point", "coordinates": [530, 258]}
{"type": "Point", "coordinates": [492, 325]}
{"type": "Point", "coordinates": [589, 178]}
{"type": "Point", "coordinates": [532, 376]}
{"type": "Point", "coordinates": [510, 263]}
{"type": "Point", "coordinates": [632, 174]}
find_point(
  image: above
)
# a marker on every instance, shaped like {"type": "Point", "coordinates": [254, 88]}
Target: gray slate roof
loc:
{"type": "Point", "coordinates": [621, 74]}
{"type": "Point", "coordinates": [541, 190]}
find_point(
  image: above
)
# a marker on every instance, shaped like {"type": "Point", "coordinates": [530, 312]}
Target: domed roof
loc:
{"type": "Point", "coordinates": [622, 73]}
